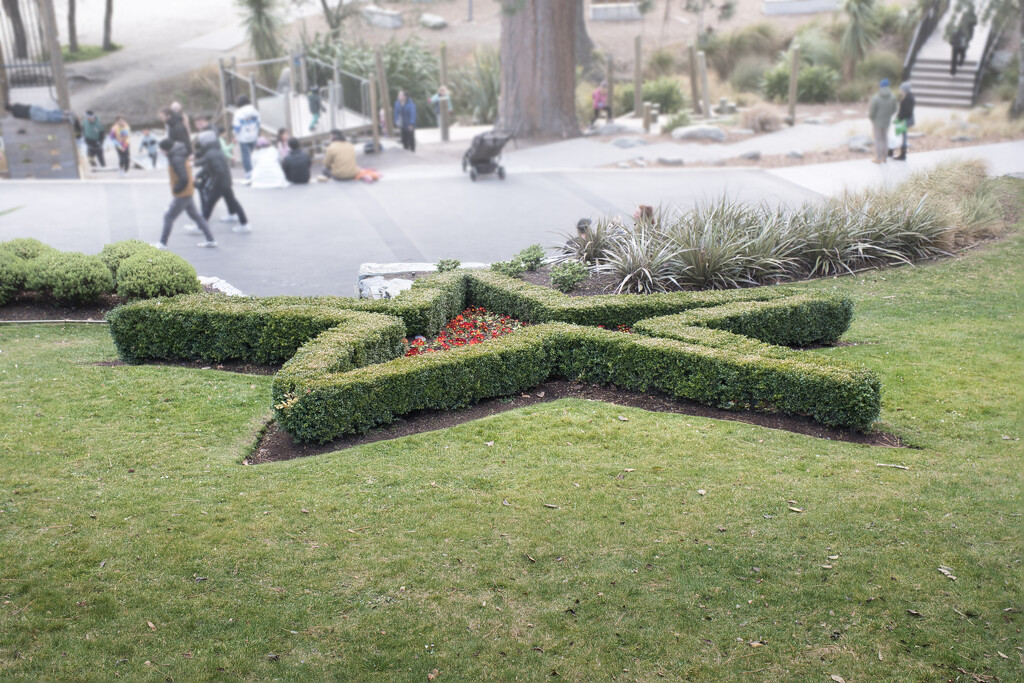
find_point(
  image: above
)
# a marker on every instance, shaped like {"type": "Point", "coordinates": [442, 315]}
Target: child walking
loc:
{"type": "Point", "coordinates": [148, 145]}
{"type": "Point", "coordinates": [121, 134]}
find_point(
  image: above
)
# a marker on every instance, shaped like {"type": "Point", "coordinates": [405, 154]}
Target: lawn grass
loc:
{"type": "Point", "coordinates": [123, 503]}
{"type": "Point", "coordinates": [86, 53]}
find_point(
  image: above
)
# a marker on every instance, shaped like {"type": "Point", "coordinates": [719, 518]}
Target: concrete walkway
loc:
{"type": "Point", "coordinates": [311, 239]}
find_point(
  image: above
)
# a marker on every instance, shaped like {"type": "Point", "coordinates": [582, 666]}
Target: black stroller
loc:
{"type": "Point", "coordinates": [484, 155]}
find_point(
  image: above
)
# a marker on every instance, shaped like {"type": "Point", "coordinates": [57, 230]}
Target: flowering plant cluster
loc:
{"type": "Point", "coordinates": [625, 329]}
{"type": "Point", "coordinates": [472, 326]}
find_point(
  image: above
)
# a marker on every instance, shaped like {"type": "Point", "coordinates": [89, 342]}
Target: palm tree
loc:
{"type": "Point", "coordinates": [263, 25]}
{"type": "Point", "coordinates": [860, 33]}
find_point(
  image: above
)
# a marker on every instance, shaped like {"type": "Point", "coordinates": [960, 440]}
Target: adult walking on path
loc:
{"type": "Point", "coordinates": [94, 134]}
{"type": "Point", "coordinates": [216, 178]}
{"type": "Point", "coordinates": [179, 169]}
{"type": "Point", "coordinates": [405, 119]}
{"type": "Point", "coordinates": [959, 44]}
{"type": "Point", "coordinates": [121, 134]}
{"type": "Point", "coordinates": [247, 131]}
{"type": "Point", "coordinates": [904, 117]}
{"type": "Point", "coordinates": [880, 111]}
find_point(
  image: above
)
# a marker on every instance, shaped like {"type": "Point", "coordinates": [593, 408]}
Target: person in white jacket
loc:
{"type": "Point", "coordinates": [266, 169]}
{"type": "Point", "coordinates": [246, 124]}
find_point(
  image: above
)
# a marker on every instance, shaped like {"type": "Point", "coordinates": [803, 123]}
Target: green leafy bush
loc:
{"type": "Point", "coordinates": [114, 254]}
{"type": "Point", "coordinates": [814, 84]}
{"type": "Point", "coordinates": [71, 278]}
{"type": "Point", "coordinates": [532, 257]}
{"type": "Point", "coordinates": [12, 276]}
{"type": "Point", "coordinates": [27, 248]}
{"type": "Point", "coordinates": [150, 274]}
{"type": "Point", "coordinates": [680, 120]}
{"type": "Point", "coordinates": [475, 88]}
{"type": "Point", "coordinates": [514, 267]}
{"type": "Point", "coordinates": [726, 51]}
{"type": "Point", "coordinates": [446, 265]}
{"type": "Point", "coordinates": [878, 65]}
{"type": "Point", "coordinates": [854, 91]}
{"type": "Point", "coordinates": [565, 276]}
{"type": "Point", "coordinates": [665, 91]}
{"type": "Point", "coordinates": [748, 76]}
{"type": "Point", "coordinates": [817, 48]}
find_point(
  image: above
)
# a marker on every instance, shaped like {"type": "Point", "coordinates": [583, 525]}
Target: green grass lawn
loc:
{"type": "Point", "coordinates": [134, 543]}
{"type": "Point", "coordinates": [86, 53]}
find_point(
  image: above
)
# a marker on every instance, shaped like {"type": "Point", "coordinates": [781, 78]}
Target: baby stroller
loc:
{"type": "Point", "coordinates": [484, 155]}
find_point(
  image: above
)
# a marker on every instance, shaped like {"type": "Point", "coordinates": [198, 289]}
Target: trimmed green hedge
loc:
{"type": "Point", "coordinates": [327, 406]}
{"type": "Point", "coordinates": [799, 320]}
{"type": "Point", "coordinates": [70, 277]}
{"type": "Point", "coordinates": [115, 253]}
{"type": "Point", "coordinates": [27, 248]}
{"type": "Point", "coordinates": [155, 273]}
{"type": "Point", "coordinates": [219, 328]}
{"type": "Point", "coordinates": [346, 374]}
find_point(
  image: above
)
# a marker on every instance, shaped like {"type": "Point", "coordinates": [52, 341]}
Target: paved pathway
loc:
{"type": "Point", "coordinates": [311, 239]}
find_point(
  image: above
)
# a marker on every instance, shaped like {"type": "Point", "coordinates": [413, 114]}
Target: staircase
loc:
{"type": "Point", "coordinates": [37, 150]}
{"type": "Point", "coordinates": [930, 79]}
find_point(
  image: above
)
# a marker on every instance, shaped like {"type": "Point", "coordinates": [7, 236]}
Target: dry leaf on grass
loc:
{"type": "Point", "coordinates": [837, 678]}
{"type": "Point", "coordinates": [151, 626]}
{"type": "Point", "coordinates": [624, 419]}
{"type": "Point", "coordinates": [795, 509]}
{"type": "Point", "coordinates": [433, 674]}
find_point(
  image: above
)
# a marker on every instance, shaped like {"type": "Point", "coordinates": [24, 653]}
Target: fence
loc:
{"type": "Point", "coordinates": [24, 51]}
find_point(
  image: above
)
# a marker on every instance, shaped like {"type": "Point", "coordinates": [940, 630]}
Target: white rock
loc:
{"type": "Point", "coordinates": [795, 154]}
{"type": "Point", "coordinates": [433, 21]}
{"type": "Point", "coordinates": [699, 132]}
{"type": "Point", "coordinates": [818, 120]}
{"type": "Point", "coordinates": [382, 288]}
{"type": "Point", "coordinates": [381, 18]}
{"type": "Point", "coordinates": [627, 142]}
{"type": "Point", "coordinates": [220, 285]}
{"type": "Point", "coordinates": [624, 164]}
{"type": "Point", "coordinates": [743, 131]}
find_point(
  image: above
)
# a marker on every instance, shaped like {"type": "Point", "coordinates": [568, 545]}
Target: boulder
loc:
{"type": "Point", "coordinates": [433, 21]}
{"type": "Point", "coordinates": [614, 129]}
{"type": "Point", "coordinates": [382, 288]}
{"type": "Point", "coordinates": [795, 154]}
{"type": "Point", "coordinates": [624, 164]}
{"type": "Point", "coordinates": [699, 132]}
{"type": "Point", "coordinates": [753, 155]}
{"type": "Point", "coordinates": [817, 120]}
{"type": "Point", "coordinates": [860, 143]}
{"type": "Point", "coordinates": [670, 161]}
{"type": "Point", "coordinates": [627, 142]}
{"type": "Point", "coordinates": [962, 138]}
{"type": "Point", "coordinates": [380, 17]}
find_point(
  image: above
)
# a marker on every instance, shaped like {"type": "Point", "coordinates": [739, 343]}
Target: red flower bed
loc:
{"type": "Point", "coordinates": [472, 326]}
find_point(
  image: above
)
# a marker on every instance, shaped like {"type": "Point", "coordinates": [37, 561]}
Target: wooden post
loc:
{"type": "Point", "coordinates": [442, 106]}
{"type": "Point", "coordinates": [252, 90]}
{"type": "Point", "coordinates": [335, 95]}
{"type": "Point", "coordinates": [794, 73]}
{"type": "Point", "coordinates": [638, 76]}
{"type": "Point", "coordinates": [293, 75]}
{"type": "Point", "coordinates": [647, 117]}
{"type": "Point", "coordinates": [224, 94]}
{"type": "Point", "coordinates": [4, 92]}
{"type": "Point", "coordinates": [374, 118]}
{"type": "Point", "coordinates": [60, 80]}
{"type": "Point", "coordinates": [609, 77]}
{"type": "Point", "coordinates": [694, 87]}
{"type": "Point", "coordinates": [382, 78]}
{"type": "Point", "coordinates": [304, 73]}
{"type": "Point", "coordinates": [702, 65]}
{"type": "Point", "coordinates": [233, 83]}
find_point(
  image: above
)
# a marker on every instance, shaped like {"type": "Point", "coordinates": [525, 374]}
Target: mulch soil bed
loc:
{"type": "Point", "coordinates": [276, 445]}
{"type": "Point", "coordinates": [28, 306]}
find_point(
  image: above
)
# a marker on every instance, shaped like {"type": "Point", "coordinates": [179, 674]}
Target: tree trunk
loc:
{"type": "Point", "coordinates": [108, 18]}
{"type": "Point", "coordinates": [1017, 109]}
{"type": "Point", "coordinates": [584, 45]}
{"type": "Point", "coordinates": [18, 26]}
{"type": "Point", "coordinates": [538, 65]}
{"type": "Point", "coordinates": [72, 28]}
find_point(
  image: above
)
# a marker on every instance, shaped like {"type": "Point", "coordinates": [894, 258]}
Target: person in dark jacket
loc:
{"type": "Point", "coordinates": [176, 129]}
{"type": "Point", "coordinates": [904, 117]}
{"type": "Point", "coordinates": [216, 182]}
{"type": "Point", "coordinates": [296, 164]}
{"type": "Point", "coordinates": [179, 169]}
{"type": "Point", "coordinates": [405, 119]}
{"type": "Point", "coordinates": [316, 107]}
{"type": "Point", "coordinates": [94, 134]}
{"type": "Point", "coordinates": [959, 44]}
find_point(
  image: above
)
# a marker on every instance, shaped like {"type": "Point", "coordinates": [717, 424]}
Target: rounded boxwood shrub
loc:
{"type": "Point", "coordinates": [71, 277]}
{"type": "Point", "coordinates": [12, 276]}
{"type": "Point", "coordinates": [114, 254]}
{"type": "Point", "coordinates": [27, 248]}
{"type": "Point", "coordinates": [149, 274]}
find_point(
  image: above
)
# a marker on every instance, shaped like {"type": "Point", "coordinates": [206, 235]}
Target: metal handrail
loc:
{"type": "Point", "coordinates": [922, 33]}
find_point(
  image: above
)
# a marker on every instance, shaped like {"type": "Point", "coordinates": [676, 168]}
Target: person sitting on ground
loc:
{"type": "Point", "coordinates": [340, 161]}
{"type": "Point", "coordinates": [36, 113]}
{"type": "Point", "coordinates": [266, 169]}
{"type": "Point", "coordinates": [297, 164]}
{"type": "Point", "coordinates": [283, 136]}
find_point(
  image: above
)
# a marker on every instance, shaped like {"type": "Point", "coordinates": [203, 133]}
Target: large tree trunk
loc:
{"type": "Point", "coordinates": [1017, 109]}
{"type": "Point", "coordinates": [72, 27]}
{"type": "Point", "coordinates": [108, 18]}
{"type": "Point", "coordinates": [18, 26]}
{"type": "Point", "coordinates": [584, 45]}
{"type": "Point", "coordinates": [538, 65]}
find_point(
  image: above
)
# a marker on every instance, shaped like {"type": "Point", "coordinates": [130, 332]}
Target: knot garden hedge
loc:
{"type": "Point", "coordinates": [345, 372]}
